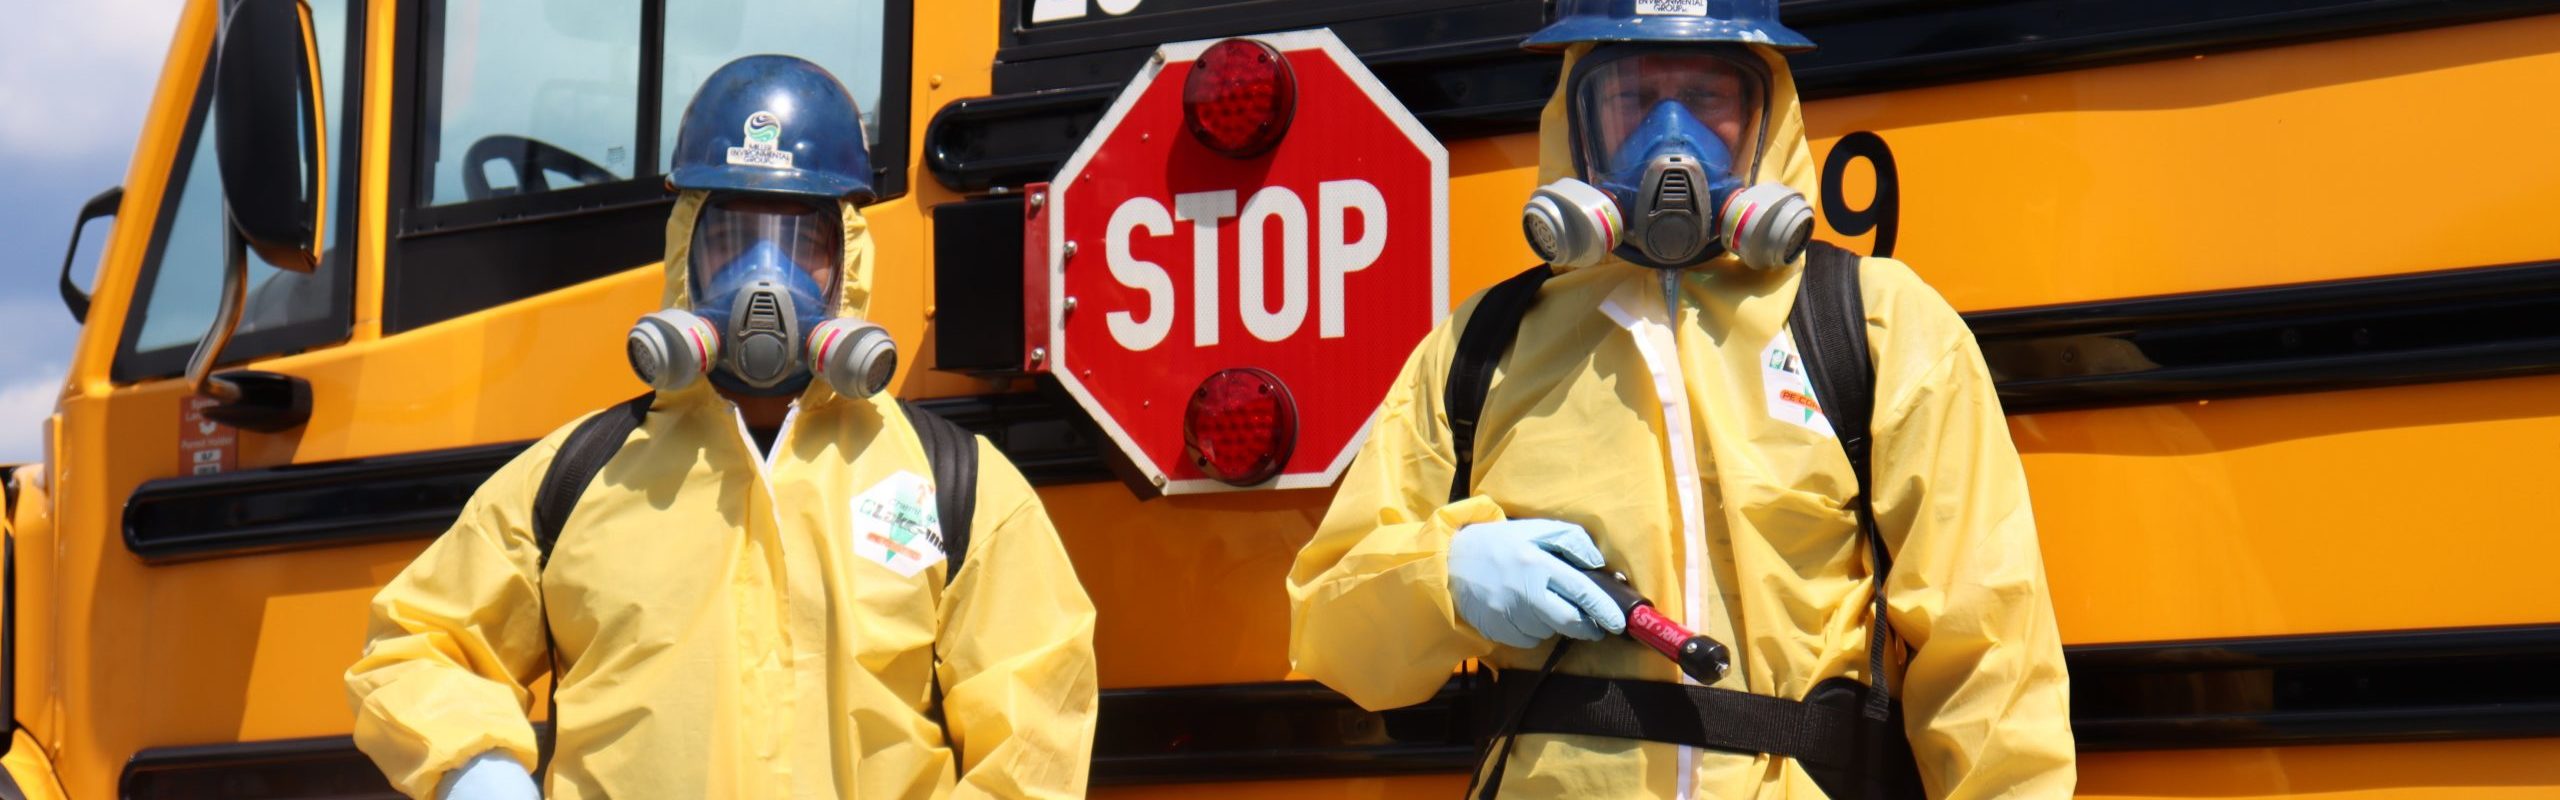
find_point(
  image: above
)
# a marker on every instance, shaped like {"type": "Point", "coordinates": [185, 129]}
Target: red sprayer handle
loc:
{"type": "Point", "coordinates": [1702, 659]}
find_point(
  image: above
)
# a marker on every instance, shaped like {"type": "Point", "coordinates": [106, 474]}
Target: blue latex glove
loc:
{"type": "Point", "coordinates": [493, 775]}
{"type": "Point", "coordinates": [1520, 581]}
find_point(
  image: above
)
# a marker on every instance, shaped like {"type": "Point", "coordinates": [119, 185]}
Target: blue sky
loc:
{"type": "Point", "coordinates": [75, 81]}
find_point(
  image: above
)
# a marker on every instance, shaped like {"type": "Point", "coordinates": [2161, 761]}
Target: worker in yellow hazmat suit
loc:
{"type": "Point", "coordinates": [1651, 418]}
{"type": "Point", "coordinates": [749, 600]}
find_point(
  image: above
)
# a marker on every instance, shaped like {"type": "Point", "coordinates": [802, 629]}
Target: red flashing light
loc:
{"type": "Point", "coordinates": [1241, 426]}
{"type": "Point", "coordinates": [1239, 98]}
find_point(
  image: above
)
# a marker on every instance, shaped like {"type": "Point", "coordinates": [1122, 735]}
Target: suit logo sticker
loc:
{"type": "Point", "coordinates": [896, 524]}
{"type": "Point", "coordinates": [1788, 389]}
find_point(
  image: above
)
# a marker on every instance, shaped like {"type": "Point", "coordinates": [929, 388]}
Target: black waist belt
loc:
{"type": "Point", "coordinates": [1846, 752]}
{"type": "Point", "coordinates": [1697, 716]}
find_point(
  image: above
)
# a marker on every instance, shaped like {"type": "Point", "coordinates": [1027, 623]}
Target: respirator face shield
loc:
{"type": "Point", "coordinates": [763, 271]}
{"type": "Point", "coordinates": [1665, 142]}
{"type": "Point", "coordinates": [1618, 89]}
{"type": "Point", "coordinates": [807, 236]}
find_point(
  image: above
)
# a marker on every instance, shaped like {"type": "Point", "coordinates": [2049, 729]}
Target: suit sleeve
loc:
{"type": "Point", "coordinates": [1017, 650]}
{"type": "Point", "coordinates": [456, 641]}
{"type": "Point", "coordinates": [1985, 695]}
{"type": "Point", "coordinates": [1369, 607]}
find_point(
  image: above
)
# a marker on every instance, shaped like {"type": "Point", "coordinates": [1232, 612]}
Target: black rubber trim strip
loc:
{"type": "Point", "coordinates": [1290, 730]}
{"type": "Point", "coordinates": [318, 767]}
{"type": "Point", "coordinates": [330, 504]}
{"type": "Point", "coordinates": [2358, 688]}
{"type": "Point", "coordinates": [2398, 686]}
{"type": "Point", "coordinates": [1044, 433]}
{"type": "Point", "coordinates": [416, 495]}
{"type": "Point", "coordinates": [2469, 324]}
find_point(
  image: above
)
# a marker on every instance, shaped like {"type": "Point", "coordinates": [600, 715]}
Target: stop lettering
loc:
{"type": "Point", "coordinates": [1274, 212]}
{"type": "Point", "coordinates": [1320, 262]}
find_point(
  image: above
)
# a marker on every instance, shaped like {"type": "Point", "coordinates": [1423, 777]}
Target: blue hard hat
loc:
{"type": "Point", "coordinates": [773, 124]}
{"type": "Point", "coordinates": [1667, 22]}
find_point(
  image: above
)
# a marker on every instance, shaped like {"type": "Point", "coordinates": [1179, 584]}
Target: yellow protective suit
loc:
{"type": "Point", "coordinates": [1725, 505]}
{"type": "Point", "coordinates": [718, 635]}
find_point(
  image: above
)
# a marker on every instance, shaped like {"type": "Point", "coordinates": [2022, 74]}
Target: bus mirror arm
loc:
{"type": "Point", "coordinates": [226, 320]}
{"type": "Point", "coordinates": [266, 402]}
{"type": "Point", "coordinates": [267, 132]}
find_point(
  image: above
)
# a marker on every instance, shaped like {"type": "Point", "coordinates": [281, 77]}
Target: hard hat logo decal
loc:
{"type": "Point", "coordinates": [764, 133]}
{"type": "Point", "coordinates": [763, 128]}
{"type": "Point", "coordinates": [1672, 8]}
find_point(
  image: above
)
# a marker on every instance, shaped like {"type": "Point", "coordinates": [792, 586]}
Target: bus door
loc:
{"type": "Point", "coordinates": [495, 217]}
{"type": "Point", "coordinates": [154, 647]}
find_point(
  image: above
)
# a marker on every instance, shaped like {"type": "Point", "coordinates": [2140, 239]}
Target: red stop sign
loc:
{"type": "Point", "coordinates": [1320, 262]}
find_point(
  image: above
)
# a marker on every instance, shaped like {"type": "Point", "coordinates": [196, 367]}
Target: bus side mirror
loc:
{"type": "Point", "coordinates": [267, 136]}
{"type": "Point", "coordinates": [267, 131]}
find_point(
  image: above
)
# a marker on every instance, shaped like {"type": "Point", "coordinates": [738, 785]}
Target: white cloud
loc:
{"type": "Point", "coordinates": [75, 83]}
{"type": "Point", "coordinates": [75, 78]}
{"type": "Point", "coordinates": [39, 331]}
{"type": "Point", "coordinates": [24, 404]}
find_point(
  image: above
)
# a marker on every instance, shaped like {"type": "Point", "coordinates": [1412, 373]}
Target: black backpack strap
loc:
{"type": "Point", "coordinates": [952, 453]}
{"type": "Point", "coordinates": [1830, 326]}
{"type": "Point", "coordinates": [582, 456]}
{"type": "Point", "coordinates": [1489, 334]}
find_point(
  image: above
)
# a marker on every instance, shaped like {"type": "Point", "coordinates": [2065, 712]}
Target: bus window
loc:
{"type": "Point", "coordinates": [539, 130]}
{"type": "Point", "coordinates": [843, 37]}
{"type": "Point", "coordinates": [181, 279]}
{"type": "Point", "coordinates": [531, 97]}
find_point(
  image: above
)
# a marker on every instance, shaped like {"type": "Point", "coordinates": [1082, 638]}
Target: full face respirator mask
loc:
{"type": "Point", "coordinates": [1660, 187]}
{"type": "Point", "coordinates": [762, 318]}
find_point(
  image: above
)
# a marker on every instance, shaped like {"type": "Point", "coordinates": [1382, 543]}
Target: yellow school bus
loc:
{"type": "Point", "coordinates": [2269, 287]}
